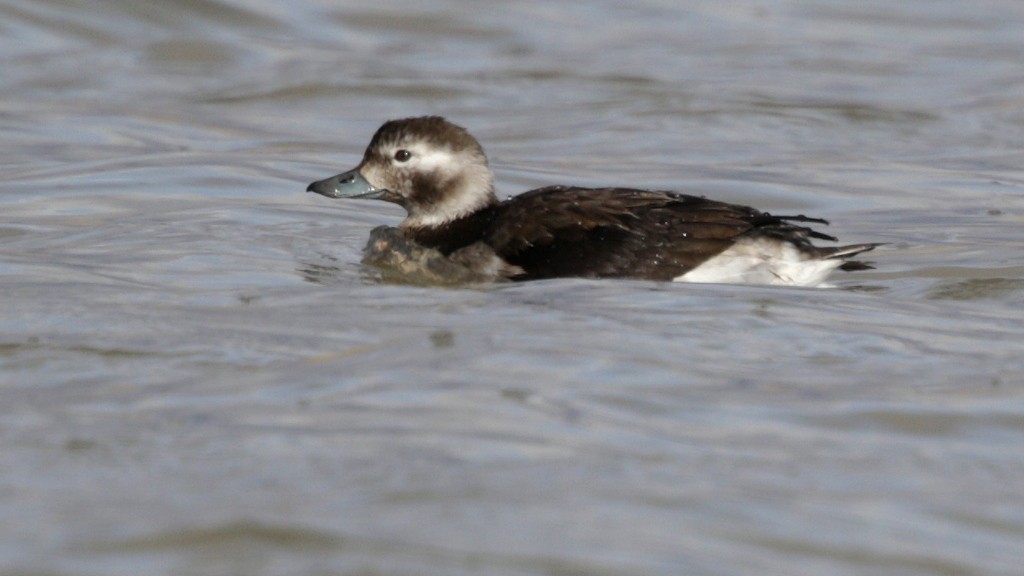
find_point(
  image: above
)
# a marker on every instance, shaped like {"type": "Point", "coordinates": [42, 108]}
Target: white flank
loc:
{"type": "Point", "coordinates": [763, 261]}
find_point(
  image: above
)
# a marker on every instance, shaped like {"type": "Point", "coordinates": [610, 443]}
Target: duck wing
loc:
{"type": "Point", "coordinates": [561, 231]}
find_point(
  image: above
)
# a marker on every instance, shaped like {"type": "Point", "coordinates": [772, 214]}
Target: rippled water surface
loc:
{"type": "Point", "coordinates": [197, 376]}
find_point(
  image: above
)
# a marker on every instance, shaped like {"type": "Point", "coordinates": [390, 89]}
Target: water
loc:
{"type": "Point", "coordinates": [197, 377]}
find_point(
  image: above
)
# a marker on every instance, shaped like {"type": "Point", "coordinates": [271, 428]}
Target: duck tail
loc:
{"type": "Point", "coordinates": [843, 252]}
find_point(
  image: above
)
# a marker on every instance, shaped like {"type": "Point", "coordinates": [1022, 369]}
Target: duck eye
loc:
{"type": "Point", "coordinates": [403, 155]}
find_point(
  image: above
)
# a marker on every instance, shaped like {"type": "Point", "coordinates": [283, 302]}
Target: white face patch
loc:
{"type": "Point", "coordinates": [463, 176]}
{"type": "Point", "coordinates": [429, 158]}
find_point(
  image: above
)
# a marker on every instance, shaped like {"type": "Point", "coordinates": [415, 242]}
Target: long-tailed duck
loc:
{"type": "Point", "coordinates": [438, 172]}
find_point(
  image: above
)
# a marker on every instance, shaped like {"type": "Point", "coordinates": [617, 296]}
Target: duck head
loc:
{"type": "Point", "coordinates": [434, 169]}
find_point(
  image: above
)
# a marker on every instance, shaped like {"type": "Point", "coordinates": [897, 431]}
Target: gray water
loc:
{"type": "Point", "coordinates": [198, 377]}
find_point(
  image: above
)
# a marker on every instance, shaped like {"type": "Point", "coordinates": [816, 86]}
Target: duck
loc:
{"type": "Point", "coordinates": [438, 172]}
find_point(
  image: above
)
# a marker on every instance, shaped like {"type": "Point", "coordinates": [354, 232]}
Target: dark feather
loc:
{"type": "Point", "coordinates": [561, 231]}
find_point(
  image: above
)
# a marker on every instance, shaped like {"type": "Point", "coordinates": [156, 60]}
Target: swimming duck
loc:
{"type": "Point", "coordinates": [439, 173]}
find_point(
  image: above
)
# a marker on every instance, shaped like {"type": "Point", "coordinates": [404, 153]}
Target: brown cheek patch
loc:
{"type": "Point", "coordinates": [425, 189]}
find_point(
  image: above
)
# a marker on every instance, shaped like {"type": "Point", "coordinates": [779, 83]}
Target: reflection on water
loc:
{"type": "Point", "coordinates": [199, 375]}
{"type": "Point", "coordinates": [319, 273]}
{"type": "Point", "coordinates": [979, 289]}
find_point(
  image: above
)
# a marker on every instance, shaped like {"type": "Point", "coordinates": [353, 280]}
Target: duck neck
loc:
{"type": "Point", "coordinates": [456, 233]}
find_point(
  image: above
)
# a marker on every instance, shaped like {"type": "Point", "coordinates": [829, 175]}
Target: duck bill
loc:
{"type": "Point", "coordinates": [349, 184]}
